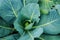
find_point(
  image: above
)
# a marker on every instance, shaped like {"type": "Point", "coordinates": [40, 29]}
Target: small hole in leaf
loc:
{"type": "Point", "coordinates": [53, 6]}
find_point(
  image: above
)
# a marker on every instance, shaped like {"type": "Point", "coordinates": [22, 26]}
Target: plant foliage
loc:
{"type": "Point", "coordinates": [29, 19]}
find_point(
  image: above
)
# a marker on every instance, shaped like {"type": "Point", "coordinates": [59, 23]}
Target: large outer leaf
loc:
{"type": "Point", "coordinates": [51, 37]}
{"type": "Point", "coordinates": [51, 22]}
{"type": "Point", "coordinates": [29, 12]}
{"type": "Point", "coordinates": [32, 34]}
{"type": "Point", "coordinates": [5, 29]}
{"type": "Point", "coordinates": [10, 37]}
{"type": "Point", "coordinates": [9, 9]}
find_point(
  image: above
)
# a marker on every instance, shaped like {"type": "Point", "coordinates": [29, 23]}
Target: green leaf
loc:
{"type": "Point", "coordinates": [32, 9]}
{"type": "Point", "coordinates": [5, 29]}
{"type": "Point", "coordinates": [9, 9]}
{"type": "Point", "coordinates": [18, 27]}
{"type": "Point", "coordinates": [50, 37]}
{"type": "Point", "coordinates": [10, 37]}
{"type": "Point", "coordinates": [37, 32]}
{"type": "Point", "coordinates": [32, 34]}
{"type": "Point", "coordinates": [25, 37]}
{"type": "Point", "coordinates": [28, 27]}
{"type": "Point", "coordinates": [51, 22]}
